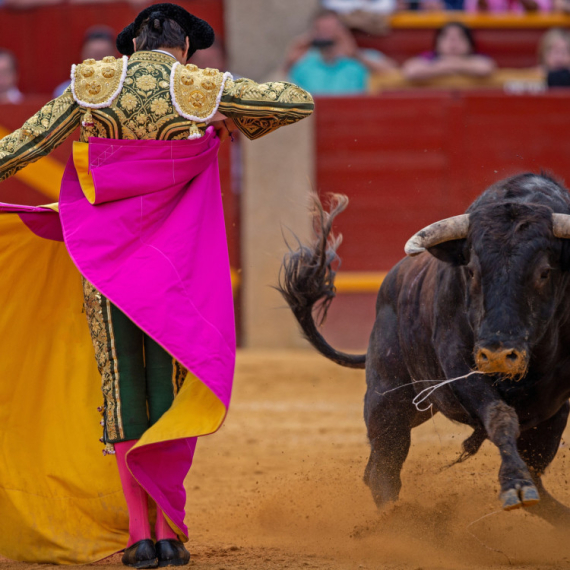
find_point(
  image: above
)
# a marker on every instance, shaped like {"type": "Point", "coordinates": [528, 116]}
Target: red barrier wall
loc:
{"type": "Point", "coordinates": [409, 159]}
{"type": "Point", "coordinates": [47, 40]}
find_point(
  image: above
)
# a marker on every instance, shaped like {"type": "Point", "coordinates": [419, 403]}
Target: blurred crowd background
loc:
{"type": "Point", "coordinates": [347, 46]}
{"type": "Point", "coordinates": [420, 105]}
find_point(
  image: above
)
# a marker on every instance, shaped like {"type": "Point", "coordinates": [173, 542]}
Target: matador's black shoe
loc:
{"type": "Point", "coordinates": [171, 553]}
{"type": "Point", "coordinates": [141, 554]}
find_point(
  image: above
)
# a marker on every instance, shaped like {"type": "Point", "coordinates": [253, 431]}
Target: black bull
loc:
{"type": "Point", "coordinates": [482, 297]}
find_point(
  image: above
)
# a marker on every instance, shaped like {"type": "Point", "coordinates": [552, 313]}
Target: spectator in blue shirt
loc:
{"type": "Point", "coordinates": [327, 61]}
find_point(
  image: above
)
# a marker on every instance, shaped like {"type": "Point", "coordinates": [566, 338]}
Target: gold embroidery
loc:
{"type": "Point", "coordinates": [146, 83]}
{"type": "Point", "coordinates": [40, 134]}
{"type": "Point", "coordinates": [144, 108]}
{"type": "Point", "coordinates": [258, 109]}
{"type": "Point", "coordinates": [159, 107]}
{"type": "Point", "coordinates": [128, 102]}
{"type": "Point", "coordinates": [196, 90]}
{"type": "Point", "coordinates": [97, 81]}
{"type": "Point", "coordinates": [256, 127]}
{"type": "Point", "coordinates": [179, 374]}
{"type": "Point", "coordinates": [103, 343]}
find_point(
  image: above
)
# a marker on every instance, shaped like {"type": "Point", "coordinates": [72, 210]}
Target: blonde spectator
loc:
{"type": "Point", "coordinates": [554, 57]}
{"type": "Point", "coordinates": [554, 50]}
{"type": "Point", "coordinates": [454, 53]}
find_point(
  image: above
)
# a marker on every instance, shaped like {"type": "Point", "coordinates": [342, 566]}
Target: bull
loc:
{"type": "Point", "coordinates": [483, 298]}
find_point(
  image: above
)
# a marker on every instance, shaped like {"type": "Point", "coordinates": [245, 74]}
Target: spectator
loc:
{"type": "Point", "coordinates": [327, 61]}
{"type": "Point", "coordinates": [9, 92]}
{"type": "Point", "coordinates": [516, 6]}
{"type": "Point", "coordinates": [554, 57]}
{"type": "Point", "coordinates": [98, 42]}
{"type": "Point", "coordinates": [454, 54]}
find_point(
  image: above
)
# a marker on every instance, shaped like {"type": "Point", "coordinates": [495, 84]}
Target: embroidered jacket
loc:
{"type": "Point", "coordinates": [150, 96]}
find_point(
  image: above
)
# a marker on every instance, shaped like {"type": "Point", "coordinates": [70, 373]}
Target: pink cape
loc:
{"type": "Point", "coordinates": [155, 245]}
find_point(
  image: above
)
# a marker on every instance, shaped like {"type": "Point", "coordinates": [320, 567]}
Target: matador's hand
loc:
{"type": "Point", "coordinates": [224, 129]}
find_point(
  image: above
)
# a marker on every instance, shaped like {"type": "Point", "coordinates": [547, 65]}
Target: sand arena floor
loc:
{"type": "Point", "coordinates": [280, 486]}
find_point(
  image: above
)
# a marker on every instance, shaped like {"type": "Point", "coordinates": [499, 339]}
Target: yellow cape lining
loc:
{"type": "Point", "coordinates": [61, 500]}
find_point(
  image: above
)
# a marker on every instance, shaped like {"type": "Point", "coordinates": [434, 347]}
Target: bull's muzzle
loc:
{"type": "Point", "coordinates": [509, 362]}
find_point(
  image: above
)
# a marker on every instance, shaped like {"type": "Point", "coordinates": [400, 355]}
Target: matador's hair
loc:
{"type": "Point", "coordinates": [156, 18]}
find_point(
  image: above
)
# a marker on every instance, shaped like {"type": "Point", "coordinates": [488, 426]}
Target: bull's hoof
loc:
{"type": "Point", "coordinates": [520, 496]}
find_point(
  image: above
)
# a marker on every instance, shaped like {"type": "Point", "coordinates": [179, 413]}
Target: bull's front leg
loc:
{"type": "Point", "coordinates": [476, 397]}
{"type": "Point", "coordinates": [502, 425]}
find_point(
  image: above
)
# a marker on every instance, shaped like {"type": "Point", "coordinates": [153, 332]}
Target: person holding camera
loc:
{"type": "Point", "coordinates": [327, 61]}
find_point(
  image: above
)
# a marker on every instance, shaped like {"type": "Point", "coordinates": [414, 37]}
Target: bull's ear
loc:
{"type": "Point", "coordinates": [454, 251]}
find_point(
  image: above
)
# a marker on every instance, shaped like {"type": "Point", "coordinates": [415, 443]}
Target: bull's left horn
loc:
{"type": "Point", "coordinates": [561, 225]}
{"type": "Point", "coordinates": [439, 232]}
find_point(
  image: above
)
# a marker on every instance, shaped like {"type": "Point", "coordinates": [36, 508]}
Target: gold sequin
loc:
{"type": "Point", "coordinates": [93, 88]}
{"type": "Point", "coordinates": [187, 79]}
{"type": "Point", "coordinates": [197, 99]}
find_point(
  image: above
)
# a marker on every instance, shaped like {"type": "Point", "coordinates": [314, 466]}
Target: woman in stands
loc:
{"type": "Point", "coordinates": [454, 53]}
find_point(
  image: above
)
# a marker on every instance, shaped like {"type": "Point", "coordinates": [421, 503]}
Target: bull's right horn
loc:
{"type": "Point", "coordinates": [439, 232]}
{"type": "Point", "coordinates": [561, 225]}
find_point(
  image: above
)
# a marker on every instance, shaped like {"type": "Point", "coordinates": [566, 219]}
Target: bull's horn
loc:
{"type": "Point", "coordinates": [439, 232]}
{"type": "Point", "coordinates": [561, 225]}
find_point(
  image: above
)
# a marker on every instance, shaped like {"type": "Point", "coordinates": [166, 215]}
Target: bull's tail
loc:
{"type": "Point", "coordinates": [306, 280]}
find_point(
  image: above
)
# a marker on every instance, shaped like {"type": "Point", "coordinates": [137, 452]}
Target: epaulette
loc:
{"type": "Point", "coordinates": [195, 92]}
{"type": "Point", "coordinates": [96, 84]}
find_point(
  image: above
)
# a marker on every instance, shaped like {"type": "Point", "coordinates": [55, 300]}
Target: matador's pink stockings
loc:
{"type": "Point", "coordinates": [162, 528]}
{"type": "Point", "coordinates": [137, 502]}
{"type": "Point", "coordinates": [135, 495]}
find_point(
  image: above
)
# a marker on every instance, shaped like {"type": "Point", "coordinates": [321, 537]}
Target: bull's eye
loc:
{"type": "Point", "coordinates": [545, 274]}
{"type": "Point", "coordinates": [470, 272]}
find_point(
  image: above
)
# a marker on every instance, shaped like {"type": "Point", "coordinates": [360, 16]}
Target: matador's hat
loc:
{"type": "Point", "coordinates": [199, 32]}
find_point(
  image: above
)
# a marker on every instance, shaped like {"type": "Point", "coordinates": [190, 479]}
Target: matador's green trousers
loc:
{"type": "Point", "coordinates": [139, 378]}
